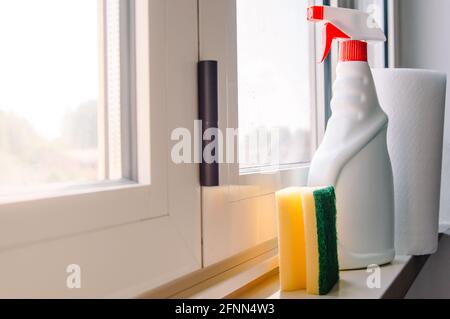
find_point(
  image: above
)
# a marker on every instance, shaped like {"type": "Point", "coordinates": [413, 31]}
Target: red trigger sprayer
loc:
{"type": "Point", "coordinates": [346, 24]}
{"type": "Point", "coordinates": [353, 156]}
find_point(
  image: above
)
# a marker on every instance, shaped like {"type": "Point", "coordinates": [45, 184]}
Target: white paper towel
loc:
{"type": "Point", "coordinates": [414, 101]}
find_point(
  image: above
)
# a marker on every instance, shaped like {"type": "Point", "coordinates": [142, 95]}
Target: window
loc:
{"type": "Point", "coordinates": [269, 86]}
{"type": "Point", "coordinates": [125, 211]}
{"type": "Point", "coordinates": [274, 80]}
{"type": "Point", "coordinates": [61, 116]}
{"type": "Point", "coordinates": [49, 97]}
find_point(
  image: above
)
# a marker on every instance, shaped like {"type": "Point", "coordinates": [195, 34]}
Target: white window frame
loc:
{"type": "Point", "coordinates": [240, 214]}
{"type": "Point", "coordinates": [141, 232]}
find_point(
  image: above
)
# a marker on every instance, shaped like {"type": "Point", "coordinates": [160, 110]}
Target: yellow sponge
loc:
{"type": "Point", "coordinates": [291, 239]}
{"type": "Point", "coordinates": [307, 239]}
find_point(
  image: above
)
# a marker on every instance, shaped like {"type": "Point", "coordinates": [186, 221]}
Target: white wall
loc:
{"type": "Point", "coordinates": [425, 43]}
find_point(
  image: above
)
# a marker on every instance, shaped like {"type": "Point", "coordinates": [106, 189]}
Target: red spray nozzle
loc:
{"type": "Point", "coordinates": [330, 32]}
{"type": "Point", "coordinates": [315, 13]}
{"type": "Point", "coordinates": [345, 24]}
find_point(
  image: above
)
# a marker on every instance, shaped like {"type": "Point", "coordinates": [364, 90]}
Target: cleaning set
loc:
{"type": "Point", "coordinates": [345, 219]}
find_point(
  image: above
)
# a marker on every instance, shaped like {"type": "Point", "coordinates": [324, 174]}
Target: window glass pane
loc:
{"type": "Point", "coordinates": [274, 79]}
{"type": "Point", "coordinates": [49, 93]}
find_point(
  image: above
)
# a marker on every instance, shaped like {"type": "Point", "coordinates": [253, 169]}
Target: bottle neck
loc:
{"type": "Point", "coordinates": [352, 50]}
{"type": "Point", "coordinates": [354, 90]}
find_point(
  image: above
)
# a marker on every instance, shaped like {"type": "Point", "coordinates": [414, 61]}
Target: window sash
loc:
{"type": "Point", "coordinates": [147, 233]}
{"type": "Point", "coordinates": [60, 210]}
{"type": "Point", "coordinates": [243, 207]}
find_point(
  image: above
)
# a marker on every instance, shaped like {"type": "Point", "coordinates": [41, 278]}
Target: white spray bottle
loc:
{"type": "Point", "coordinates": [353, 155]}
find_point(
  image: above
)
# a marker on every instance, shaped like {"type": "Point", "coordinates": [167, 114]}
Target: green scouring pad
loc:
{"type": "Point", "coordinates": [322, 268]}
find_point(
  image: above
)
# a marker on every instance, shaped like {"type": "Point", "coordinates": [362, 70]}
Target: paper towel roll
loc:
{"type": "Point", "coordinates": [414, 101]}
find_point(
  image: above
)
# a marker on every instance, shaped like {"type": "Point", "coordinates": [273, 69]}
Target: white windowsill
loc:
{"type": "Point", "coordinates": [258, 279]}
{"type": "Point", "coordinates": [261, 281]}
{"type": "Point", "coordinates": [352, 285]}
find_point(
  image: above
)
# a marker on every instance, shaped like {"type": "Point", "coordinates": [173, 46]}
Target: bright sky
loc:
{"type": "Point", "coordinates": [48, 59]}
{"type": "Point", "coordinates": [273, 63]}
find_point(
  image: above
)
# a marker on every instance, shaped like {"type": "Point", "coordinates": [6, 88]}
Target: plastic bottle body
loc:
{"type": "Point", "coordinates": [354, 158]}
